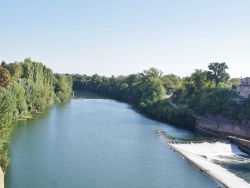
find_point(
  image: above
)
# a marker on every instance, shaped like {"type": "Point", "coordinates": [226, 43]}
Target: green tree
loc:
{"type": "Point", "coordinates": [5, 77]}
{"type": "Point", "coordinates": [20, 99]}
{"type": "Point", "coordinates": [63, 87]}
{"type": "Point", "coordinates": [199, 78]}
{"type": "Point", "coordinates": [218, 73]}
{"type": "Point", "coordinates": [7, 108]}
{"type": "Point", "coordinates": [172, 81]}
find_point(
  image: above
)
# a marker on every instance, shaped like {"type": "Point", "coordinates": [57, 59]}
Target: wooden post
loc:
{"type": "Point", "coordinates": [1, 178]}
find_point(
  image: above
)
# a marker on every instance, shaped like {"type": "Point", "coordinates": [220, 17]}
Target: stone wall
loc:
{"type": "Point", "coordinates": [1, 178]}
{"type": "Point", "coordinates": [238, 133]}
{"type": "Point", "coordinates": [224, 127]}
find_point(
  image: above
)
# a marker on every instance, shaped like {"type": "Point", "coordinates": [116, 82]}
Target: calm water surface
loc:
{"type": "Point", "coordinates": [97, 143]}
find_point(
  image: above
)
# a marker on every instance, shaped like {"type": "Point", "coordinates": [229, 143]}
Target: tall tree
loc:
{"type": "Point", "coordinates": [199, 78]}
{"type": "Point", "coordinates": [5, 77]}
{"type": "Point", "coordinates": [218, 72]}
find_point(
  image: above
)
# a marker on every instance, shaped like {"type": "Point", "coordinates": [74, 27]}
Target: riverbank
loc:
{"type": "Point", "coordinates": [223, 177]}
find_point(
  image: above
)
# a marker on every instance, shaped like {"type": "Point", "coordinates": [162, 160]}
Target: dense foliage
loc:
{"type": "Point", "coordinates": [26, 88]}
{"type": "Point", "coordinates": [212, 97]}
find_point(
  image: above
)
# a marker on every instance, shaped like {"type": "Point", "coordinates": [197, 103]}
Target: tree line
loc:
{"type": "Point", "coordinates": [27, 88]}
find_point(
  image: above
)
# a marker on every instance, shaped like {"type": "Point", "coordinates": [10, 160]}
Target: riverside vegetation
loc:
{"type": "Point", "coordinates": [27, 88]}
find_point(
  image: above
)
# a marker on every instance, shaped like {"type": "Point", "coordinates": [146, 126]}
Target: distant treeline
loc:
{"type": "Point", "coordinates": [25, 89]}
{"type": "Point", "coordinates": [147, 91]}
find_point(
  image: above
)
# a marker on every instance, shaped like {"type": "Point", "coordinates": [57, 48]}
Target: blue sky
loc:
{"type": "Point", "coordinates": [121, 37]}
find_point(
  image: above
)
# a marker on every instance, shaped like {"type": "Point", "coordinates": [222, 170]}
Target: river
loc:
{"type": "Point", "coordinates": [97, 143]}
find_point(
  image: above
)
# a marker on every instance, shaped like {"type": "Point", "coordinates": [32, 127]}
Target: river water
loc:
{"type": "Point", "coordinates": [97, 143]}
